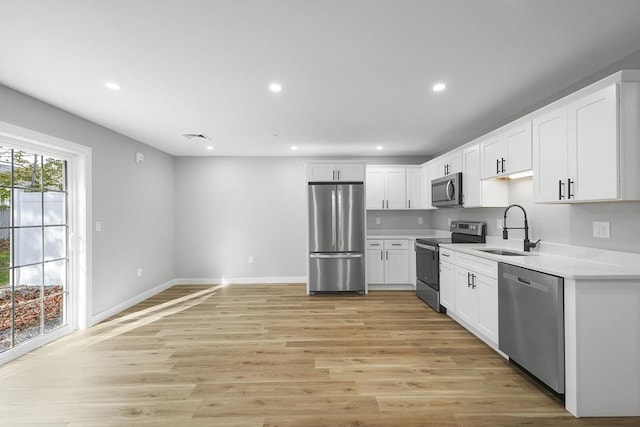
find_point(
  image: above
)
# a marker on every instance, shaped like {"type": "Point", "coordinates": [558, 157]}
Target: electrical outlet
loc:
{"type": "Point", "coordinates": [602, 229]}
{"type": "Point", "coordinates": [250, 259]}
{"type": "Point", "coordinates": [499, 223]}
{"type": "Point", "coordinates": [377, 221]}
{"type": "Point", "coordinates": [420, 220]}
{"type": "Point", "coordinates": [98, 226]}
{"type": "Point", "coordinates": [139, 272]}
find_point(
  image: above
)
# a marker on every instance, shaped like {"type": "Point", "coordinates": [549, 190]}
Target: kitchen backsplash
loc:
{"type": "Point", "coordinates": [556, 223]}
{"type": "Point", "coordinates": [390, 219]}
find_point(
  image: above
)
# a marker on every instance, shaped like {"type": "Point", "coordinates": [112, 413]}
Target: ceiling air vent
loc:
{"type": "Point", "coordinates": [191, 136]}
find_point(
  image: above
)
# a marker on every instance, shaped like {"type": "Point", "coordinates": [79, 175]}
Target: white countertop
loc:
{"type": "Point", "coordinates": [571, 262]}
{"type": "Point", "coordinates": [585, 268]}
{"type": "Point", "coordinates": [406, 233]}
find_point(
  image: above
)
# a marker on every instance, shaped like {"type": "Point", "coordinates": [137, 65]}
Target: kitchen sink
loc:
{"type": "Point", "coordinates": [505, 252]}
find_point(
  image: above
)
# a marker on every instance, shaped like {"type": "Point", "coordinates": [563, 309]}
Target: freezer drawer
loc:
{"type": "Point", "coordinates": [336, 273]}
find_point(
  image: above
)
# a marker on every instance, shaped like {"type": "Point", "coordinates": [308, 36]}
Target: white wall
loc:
{"type": "Point", "coordinates": [135, 203]}
{"type": "Point", "coordinates": [230, 208]}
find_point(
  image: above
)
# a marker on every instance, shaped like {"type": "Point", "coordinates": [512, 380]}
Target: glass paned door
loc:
{"type": "Point", "coordinates": [34, 293]}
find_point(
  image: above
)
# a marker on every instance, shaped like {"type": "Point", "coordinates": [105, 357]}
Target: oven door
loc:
{"type": "Point", "coordinates": [427, 264]}
{"type": "Point", "coordinates": [428, 275]}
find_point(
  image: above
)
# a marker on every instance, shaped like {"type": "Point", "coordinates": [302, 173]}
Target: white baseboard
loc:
{"type": "Point", "coordinates": [240, 280]}
{"type": "Point", "coordinates": [99, 317]}
{"type": "Point", "coordinates": [384, 287]}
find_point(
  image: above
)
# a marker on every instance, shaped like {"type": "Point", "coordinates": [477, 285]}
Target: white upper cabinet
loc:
{"type": "Point", "coordinates": [588, 149]}
{"type": "Point", "coordinates": [593, 146]}
{"type": "Point", "coordinates": [507, 152]}
{"type": "Point", "coordinates": [550, 156]}
{"type": "Point", "coordinates": [350, 172]}
{"type": "Point", "coordinates": [414, 187]}
{"type": "Point", "coordinates": [426, 184]}
{"type": "Point", "coordinates": [325, 172]}
{"type": "Point", "coordinates": [394, 187]}
{"type": "Point", "coordinates": [476, 192]}
{"type": "Point", "coordinates": [386, 187]}
{"type": "Point", "coordinates": [448, 163]}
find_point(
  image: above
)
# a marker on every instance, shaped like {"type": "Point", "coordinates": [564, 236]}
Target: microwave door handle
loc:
{"type": "Point", "coordinates": [450, 190]}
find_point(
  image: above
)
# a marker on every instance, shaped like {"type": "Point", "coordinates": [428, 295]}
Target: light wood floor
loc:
{"type": "Point", "coordinates": [268, 355]}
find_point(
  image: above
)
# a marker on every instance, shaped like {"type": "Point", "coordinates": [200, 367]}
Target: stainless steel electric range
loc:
{"type": "Point", "coordinates": [428, 258]}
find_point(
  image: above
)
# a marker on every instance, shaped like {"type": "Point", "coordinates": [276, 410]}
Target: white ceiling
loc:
{"type": "Point", "coordinates": [355, 74]}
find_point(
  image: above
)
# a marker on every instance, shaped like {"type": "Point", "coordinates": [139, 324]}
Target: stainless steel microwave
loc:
{"type": "Point", "coordinates": [447, 191]}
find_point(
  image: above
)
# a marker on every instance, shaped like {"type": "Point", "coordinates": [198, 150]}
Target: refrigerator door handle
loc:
{"type": "Point", "coordinates": [333, 218]}
{"type": "Point", "coordinates": [335, 256]}
{"type": "Point", "coordinates": [339, 215]}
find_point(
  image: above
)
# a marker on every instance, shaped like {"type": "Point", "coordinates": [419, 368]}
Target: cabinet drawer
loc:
{"type": "Point", "coordinates": [446, 255]}
{"type": "Point", "coordinates": [480, 265]}
{"type": "Point", "coordinates": [396, 244]}
{"type": "Point", "coordinates": [375, 244]}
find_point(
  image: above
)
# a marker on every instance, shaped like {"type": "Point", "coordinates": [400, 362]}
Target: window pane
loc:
{"type": "Point", "coordinates": [54, 208]}
{"type": "Point", "coordinates": [27, 170]}
{"type": "Point", "coordinates": [54, 171]}
{"type": "Point", "coordinates": [28, 284]}
{"type": "Point", "coordinates": [5, 328]}
{"type": "Point", "coordinates": [28, 246]}
{"type": "Point", "coordinates": [5, 169]}
{"type": "Point", "coordinates": [55, 276]}
{"type": "Point", "coordinates": [27, 321]}
{"type": "Point", "coordinates": [27, 208]}
{"type": "Point", "coordinates": [54, 242]}
{"type": "Point", "coordinates": [54, 312]}
{"type": "Point", "coordinates": [5, 261]}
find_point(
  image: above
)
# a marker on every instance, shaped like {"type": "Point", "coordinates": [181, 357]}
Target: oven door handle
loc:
{"type": "Point", "coordinates": [427, 247]}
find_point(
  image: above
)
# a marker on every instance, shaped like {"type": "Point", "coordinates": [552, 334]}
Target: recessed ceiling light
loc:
{"type": "Point", "coordinates": [294, 148]}
{"type": "Point", "coordinates": [112, 85]}
{"type": "Point", "coordinates": [439, 87]}
{"type": "Point", "coordinates": [275, 87]}
{"type": "Point", "coordinates": [209, 147]}
{"type": "Point", "coordinates": [379, 147]}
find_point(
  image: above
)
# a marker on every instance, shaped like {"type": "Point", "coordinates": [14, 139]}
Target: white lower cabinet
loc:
{"type": "Point", "coordinates": [447, 280]}
{"type": "Point", "coordinates": [476, 295]}
{"type": "Point", "coordinates": [388, 261]}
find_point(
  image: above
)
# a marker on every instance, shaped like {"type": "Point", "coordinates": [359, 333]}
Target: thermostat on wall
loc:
{"type": "Point", "coordinates": [139, 158]}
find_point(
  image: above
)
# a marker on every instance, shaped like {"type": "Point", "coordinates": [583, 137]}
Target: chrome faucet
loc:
{"type": "Point", "coordinates": [505, 233]}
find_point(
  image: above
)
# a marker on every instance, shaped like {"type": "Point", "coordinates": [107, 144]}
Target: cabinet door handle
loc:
{"type": "Point", "coordinates": [560, 185]}
{"type": "Point", "coordinates": [473, 281]}
{"type": "Point", "coordinates": [387, 254]}
{"type": "Point", "coordinates": [444, 255]}
{"type": "Point", "coordinates": [396, 244]}
{"type": "Point", "coordinates": [501, 164]}
{"type": "Point", "coordinates": [409, 203]}
{"type": "Point", "coordinates": [468, 279]}
{"type": "Point", "coordinates": [333, 175]}
{"type": "Point", "coordinates": [497, 166]}
{"type": "Point", "coordinates": [569, 182]}
{"type": "Point", "coordinates": [381, 256]}
{"type": "Point", "coordinates": [387, 204]}
{"type": "Point", "coordinates": [338, 174]}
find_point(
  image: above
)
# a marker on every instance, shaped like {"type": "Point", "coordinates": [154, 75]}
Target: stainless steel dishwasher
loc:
{"type": "Point", "coordinates": [531, 322]}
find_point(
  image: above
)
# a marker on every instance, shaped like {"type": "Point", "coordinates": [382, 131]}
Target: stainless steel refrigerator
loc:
{"type": "Point", "coordinates": [336, 237]}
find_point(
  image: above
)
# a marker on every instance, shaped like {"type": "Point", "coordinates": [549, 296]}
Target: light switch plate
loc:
{"type": "Point", "coordinates": [98, 226]}
{"type": "Point", "coordinates": [377, 221]}
{"type": "Point", "coordinates": [602, 229]}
